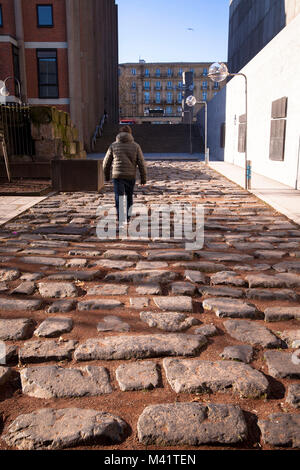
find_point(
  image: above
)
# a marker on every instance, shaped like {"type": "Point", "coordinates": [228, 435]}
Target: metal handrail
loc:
{"type": "Point", "coordinates": [99, 130]}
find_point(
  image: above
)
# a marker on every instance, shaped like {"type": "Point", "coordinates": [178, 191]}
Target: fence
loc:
{"type": "Point", "coordinates": [16, 128]}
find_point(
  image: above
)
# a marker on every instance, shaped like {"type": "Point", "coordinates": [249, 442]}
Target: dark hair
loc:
{"type": "Point", "coordinates": [126, 129]}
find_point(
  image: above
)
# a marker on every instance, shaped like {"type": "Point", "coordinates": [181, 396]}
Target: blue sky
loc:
{"type": "Point", "coordinates": [157, 30]}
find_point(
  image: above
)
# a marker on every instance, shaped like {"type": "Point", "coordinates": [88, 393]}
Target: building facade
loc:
{"type": "Point", "coordinates": [253, 24]}
{"type": "Point", "coordinates": [64, 53]}
{"type": "Point", "coordinates": [154, 91]}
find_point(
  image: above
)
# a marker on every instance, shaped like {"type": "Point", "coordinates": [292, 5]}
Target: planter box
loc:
{"type": "Point", "coordinates": [31, 170]}
{"type": "Point", "coordinates": [77, 175]}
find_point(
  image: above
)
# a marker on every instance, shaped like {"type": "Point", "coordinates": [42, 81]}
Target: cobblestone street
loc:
{"type": "Point", "coordinates": [142, 344]}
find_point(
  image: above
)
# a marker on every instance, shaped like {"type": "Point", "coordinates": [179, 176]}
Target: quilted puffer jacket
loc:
{"type": "Point", "coordinates": [124, 156]}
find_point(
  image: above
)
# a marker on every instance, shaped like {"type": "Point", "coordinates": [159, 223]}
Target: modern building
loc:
{"type": "Point", "coordinates": [253, 24]}
{"type": "Point", "coordinates": [154, 91]}
{"type": "Point", "coordinates": [64, 53]}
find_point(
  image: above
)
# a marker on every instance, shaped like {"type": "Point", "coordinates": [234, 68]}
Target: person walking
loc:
{"type": "Point", "coordinates": [123, 157]}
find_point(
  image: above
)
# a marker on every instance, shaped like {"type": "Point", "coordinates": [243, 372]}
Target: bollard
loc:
{"type": "Point", "coordinates": [249, 173]}
{"type": "Point", "coordinates": [207, 156]}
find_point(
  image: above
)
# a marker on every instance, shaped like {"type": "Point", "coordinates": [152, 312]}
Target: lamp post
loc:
{"type": "Point", "coordinates": [4, 91]}
{"type": "Point", "coordinates": [191, 101]}
{"type": "Point", "coordinates": [218, 72]}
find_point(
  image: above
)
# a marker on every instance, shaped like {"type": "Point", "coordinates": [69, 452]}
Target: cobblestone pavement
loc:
{"type": "Point", "coordinates": [142, 344]}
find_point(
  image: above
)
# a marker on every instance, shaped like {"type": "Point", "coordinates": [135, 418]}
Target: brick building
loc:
{"type": "Point", "coordinates": [64, 53]}
{"type": "Point", "coordinates": [159, 86]}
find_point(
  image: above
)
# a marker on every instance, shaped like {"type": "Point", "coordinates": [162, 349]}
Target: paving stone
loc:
{"type": "Point", "coordinates": [139, 302]}
{"type": "Point", "coordinates": [128, 255]}
{"type": "Point", "coordinates": [191, 376]}
{"type": "Point", "coordinates": [148, 276]}
{"type": "Point", "coordinates": [195, 276]}
{"type": "Point", "coordinates": [283, 365]}
{"type": "Point", "coordinates": [173, 304]}
{"type": "Point", "coordinates": [293, 396]}
{"type": "Point", "coordinates": [151, 265]}
{"type": "Point", "coordinates": [139, 347]}
{"type": "Point", "coordinates": [217, 256]}
{"type": "Point", "coordinates": [31, 277]}
{"type": "Point", "coordinates": [98, 304]}
{"type": "Point", "coordinates": [170, 255]}
{"type": "Point", "coordinates": [234, 308]}
{"type": "Point", "coordinates": [8, 353]}
{"type": "Point", "coordinates": [16, 329]}
{"type": "Point", "coordinates": [84, 253]}
{"type": "Point", "coordinates": [138, 376]}
{"type": "Point", "coordinates": [114, 264]}
{"type": "Point", "coordinates": [281, 429]}
{"type": "Point", "coordinates": [243, 353]}
{"type": "Point", "coordinates": [17, 304]}
{"type": "Point", "coordinates": [227, 277]}
{"type": "Point", "coordinates": [171, 321]}
{"type": "Point", "coordinates": [183, 288]}
{"type": "Point", "coordinates": [38, 251]}
{"type": "Point", "coordinates": [263, 280]}
{"type": "Point", "coordinates": [108, 289]}
{"type": "Point", "coordinates": [43, 351]}
{"type": "Point", "coordinates": [252, 333]}
{"type": "Point", "coordinates": [289, 279]}
{"type": "Point", "coordinates": [282, 313]}
{"type": "Point", "coordinates": [62, 306]}
{"type": "Point", "coordinates": [75, 276]}
{"type": "Point", "coordinates": [149, 289]}
{"type": "Point", "coordinates": [57, 289]}
{"type": "Point", "coordinates": [202, 266]}
{"type": "Point", "coordinates": [62, 230]}
{"type": "Point", "coordinates": [113, 323]}
{"type": "Point", "coordinates": [25, 288]}
{"type": "Point", "coordinates": [5, 374]}
{"type": "Point", "coordinates": [50, 429]}
{"type": "Point", "coordinates": [206, 330]}
{"type": "Point", "coordinates": [191, 424]}
{"type": "Point", "coordinates": [77, 263]}
{"type": "Point", "coordinates": [57, 382]}
{"type": "Point", "coordinates": [9, 274]}
{"type": "Point", "coordinates": [288, 266]}
{"type": "Point", "coordinates": [272, 294]}
{"type": "Point", "coordinates": [252, 246]}
{"type": "Point", "coordinates": [43, 260]}
{"type": "Point", "coordinates": [54, 327]}
{"type": "Point", "coordinates": [291, 337]}
{"type": "Point", "coordinates": [221, 291]}
{"type": "Point", "coordinates": [270, 254]}
{"type": "Point", "coordinates": [253, 267]}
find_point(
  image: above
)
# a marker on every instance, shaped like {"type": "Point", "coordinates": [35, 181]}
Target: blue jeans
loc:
{"type": "Point", "coordinates": [123, 187]}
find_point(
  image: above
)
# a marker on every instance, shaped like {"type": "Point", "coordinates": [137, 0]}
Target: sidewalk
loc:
{"type": "Point", "coordinates": [12, 206]}
{"type": "Point", "coordinates": [282, 198]}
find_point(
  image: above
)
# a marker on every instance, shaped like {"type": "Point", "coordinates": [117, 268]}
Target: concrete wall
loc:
{"type": "Point", "coordinates": [272, 74]}
{"type": "Point", "coordinates": [253, 23]}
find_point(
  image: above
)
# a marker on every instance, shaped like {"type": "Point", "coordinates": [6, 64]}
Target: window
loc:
{"type": "Point", "coordinates": [179, 97]}
{"type": "Point", "coordinates": [180, 73]}
{"type": "Point", "coordinates": [192, 70]}
{"type": "Point", "coordinates": [47, 73]}
{"type": "Point", "coordinates": [1, 17]}
{"type": "Point", "coordinates": [179, 110]}
{"type": "Point", "coordinates": [179, 84]}
{"type": "Point", "coordinates": [204, 96]}
{"type": "Point", "coordinates": [169, 110]}
{"type": "Point", "coordinates": [157, 72]}
{"type": "Point", "coordinates": [216, 85]}
{"type": "Point", "coordinates": [147, 73]}
{"type": "Point", "coordinates": [133, 85]}
{"type": "Point", "coordinates": [169, 85]}
{"type": "Point", "coordinates": [147, 97]}
{"type": "Point", "coordinates": [204, 72]}
{"type": "Point", "coordinates": [16, 63]}
{"type": "Point", "coordinates": [204, 85]}
{"type": "Point", "coordinates": [133, 98]}
{"type": "Point", "coordinates": [44, 16]}
{"type": "Point", "coordinates": [170, 73]}
{"type": "Point", "coordinates": [169, 97]}
{"type": "Point", "coordinates": [147, 85]}
{"type": "Point", "coordinates": [133, 71]}
{"type": "Point", "coordinates": [157, 86]}
{"type": "Point", "coordinates": [157, 97]}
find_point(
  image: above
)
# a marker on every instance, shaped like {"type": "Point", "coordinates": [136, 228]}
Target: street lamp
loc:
{"type": "Point", "coordinates": [218, 71]}
{"type": "Point", "coordinates": [4, 91]}
{"type": "Point", "coordinates": [191, 102]}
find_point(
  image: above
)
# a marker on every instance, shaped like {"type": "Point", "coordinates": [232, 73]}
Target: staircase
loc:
{"type": "Point", "coordinates": [155, 138]}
